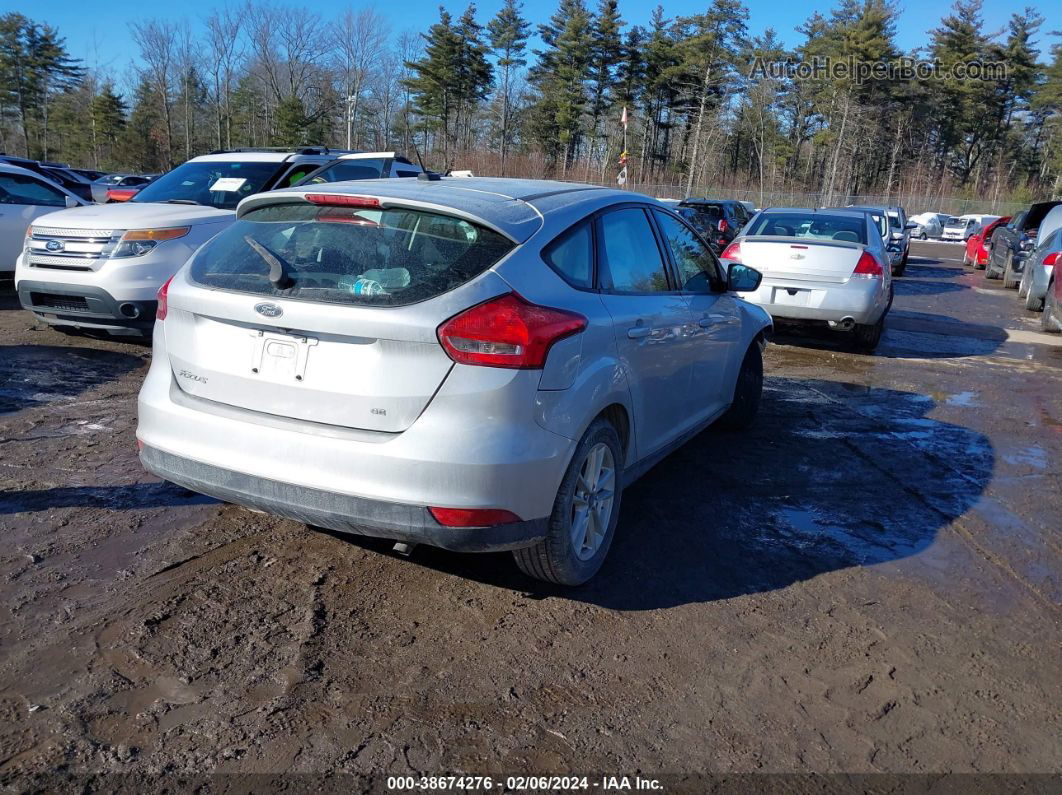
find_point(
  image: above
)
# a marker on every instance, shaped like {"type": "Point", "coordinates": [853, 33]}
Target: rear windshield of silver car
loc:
{"type": "Point", "coordinates": [810, 226]}
{"type": "Point", "coordinates": [347, 255]}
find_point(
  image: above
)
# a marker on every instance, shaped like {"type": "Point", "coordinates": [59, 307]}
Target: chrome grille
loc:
{"type": "Point", "coordinates": [69, 263]}
{"type": "Point", "coordinates": [72, 249]}
{"type": "Point", "coordinates": [54, 231]}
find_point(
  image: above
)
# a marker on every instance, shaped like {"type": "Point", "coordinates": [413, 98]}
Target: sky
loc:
{"type": "Point", "coordinates": [97, 30]}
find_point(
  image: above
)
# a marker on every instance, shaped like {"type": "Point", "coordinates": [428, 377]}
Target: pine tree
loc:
{"type": "Point", "coordinates": [433, 84]}
{"type": "Point", "coordinates": [508, 33]}
{"type": "Point", "coordinates": [475, 75]}
{"type": "Point", "coordinates": [34, 67]}
{"type": "Point", "coordinates": [560, 77]}
{"type": "Point", "coordinates": [606, 52]}
{"type": "Point", "coordinates": [107, 120]}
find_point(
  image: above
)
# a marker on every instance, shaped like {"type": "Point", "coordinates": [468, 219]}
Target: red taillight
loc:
{"type": "Point", "coordinates": [163, 298]}
{"type": "Point", "coordinates": [723, 225]}
{"type": "Point", "coordinates": [120, 194]}
{"type": "Point", "coordinates": [868, 266]}
{"type": "Point", "coordinates": [333, 200]}
{"type": "Point", "coordinates": [732, 252]}
{"type": "Point", "coordinates": [343, 216]}
{"type": "Point", "coordinates": [1053, 258]}
{"type": "Point", "coordinates": [507, 332]}
{"type": "Point", "coordinates": [472, 517]}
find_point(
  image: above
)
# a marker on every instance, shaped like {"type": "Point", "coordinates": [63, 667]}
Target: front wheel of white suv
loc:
{"type": "Point", "coordinates": [584, 515]}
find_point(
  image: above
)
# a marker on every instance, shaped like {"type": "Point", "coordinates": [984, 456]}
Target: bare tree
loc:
{"type": "Point", "coordinates": [223, 37]}
{"type": "Point", "coordinates": [358, 41]}
{"type": "Point", "coordinates": [157, 40]}
{"type": "Point", "coordinates": [285, 43]}
{"type": "Point", "coordinates": [386, 94]}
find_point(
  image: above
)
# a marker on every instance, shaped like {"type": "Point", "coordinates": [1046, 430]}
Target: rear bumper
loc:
{"type": "Point", "coordinates": [475, 446]}
{"type": "Point", "coordinates": [87, 307]}
{"type": "Point", "coordinates": [348, 514]}
{"type": "Point", "coordinates": [863, 300]}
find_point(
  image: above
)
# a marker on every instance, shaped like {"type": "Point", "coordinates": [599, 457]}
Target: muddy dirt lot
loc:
{"type": "Point", "coordinates": [867, 582]}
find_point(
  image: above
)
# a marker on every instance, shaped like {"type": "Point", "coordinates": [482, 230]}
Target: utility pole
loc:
{"type": "Point", "coordinates": [350, 118]}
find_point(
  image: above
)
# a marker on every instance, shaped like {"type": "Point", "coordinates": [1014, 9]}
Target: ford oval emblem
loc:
{"type": "Point", "coordinates": [54, 245]}
{"type": "Point", "coordinates": [269, 310]}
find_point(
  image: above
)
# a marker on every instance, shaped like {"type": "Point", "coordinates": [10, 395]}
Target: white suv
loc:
{"type": "Point", "coordinates": [99, 268]}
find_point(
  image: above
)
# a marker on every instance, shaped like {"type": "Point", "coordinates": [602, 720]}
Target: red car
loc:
{"type": "Point", "coordinates": [123, 194]}
{"type": "Point", "coordinates": [976, 253]}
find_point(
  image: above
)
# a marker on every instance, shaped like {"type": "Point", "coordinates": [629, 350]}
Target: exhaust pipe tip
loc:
{"type": "Point", "coordinates": [129, 310]}
{"type": "Point", "coordinates": [844, 324]}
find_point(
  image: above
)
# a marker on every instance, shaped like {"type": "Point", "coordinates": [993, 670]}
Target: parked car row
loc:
{"type": "Point", "coordinates": [1023, 251]}
{"type": "Point", "coordinates": [326, 340]}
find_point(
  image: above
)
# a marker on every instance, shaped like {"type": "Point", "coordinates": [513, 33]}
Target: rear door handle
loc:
{"type": "Point", "coordinates": [638, 332]}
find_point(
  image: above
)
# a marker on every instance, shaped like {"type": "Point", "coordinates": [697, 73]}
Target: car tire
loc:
{"type": "Point", "coordinates": [1050, 320]}
{"type": "Point", "coordinates": [748, 390]}
{"type": "Point", "coordinates": [1010, 278]}
{"type": "Point", "coordinates": [1032, 303]}
{"type": "Point", "coordinates": [990, 273]}
{"type": "Point", "coordinates": [923, 236]}
{"type": "Point", "coordinates": [1023, 285]}
{"type": "Point", "coordinates": [555, 559]}
{"type": "Point", "coordinates": [865, 338]}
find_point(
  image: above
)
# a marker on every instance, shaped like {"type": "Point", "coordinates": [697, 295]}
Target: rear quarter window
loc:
{"type": "Point", "coordinates": [346, 255]}
{"type": "Point", "coordinates": [572, 256]}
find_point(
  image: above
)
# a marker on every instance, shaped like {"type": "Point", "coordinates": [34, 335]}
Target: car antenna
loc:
{"type": "Point", "coordinates": [424, 175]}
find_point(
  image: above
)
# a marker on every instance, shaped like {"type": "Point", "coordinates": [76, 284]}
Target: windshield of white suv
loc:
{"type": "Point", "coordinates": [212, 183]}
{"type": "Point", "coordinates": [383, 257]}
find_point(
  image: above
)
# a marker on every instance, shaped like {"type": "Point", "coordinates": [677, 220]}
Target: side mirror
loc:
{"type": "Point", "coordinates": [71, 203]}
{"type": "Point", "coordinates": [911, 225]}
{"type": "Point", "coordinates": [742, 279]}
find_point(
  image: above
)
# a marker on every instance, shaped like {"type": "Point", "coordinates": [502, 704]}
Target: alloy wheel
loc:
{"type": "Point", "coordinates": [592, 501]}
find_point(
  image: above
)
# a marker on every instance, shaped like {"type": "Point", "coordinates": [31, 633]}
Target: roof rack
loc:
{"type": "Point", "coordinates": [310, 149]}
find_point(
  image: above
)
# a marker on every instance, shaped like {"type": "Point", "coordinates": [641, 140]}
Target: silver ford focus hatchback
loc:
{"type": "Point", "coordinates": [476, 364]}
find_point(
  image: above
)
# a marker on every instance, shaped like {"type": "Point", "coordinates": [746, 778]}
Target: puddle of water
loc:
{"type": "Point", "coordinates": [865, 542]}
{"type": "Point", "coordinates": [1034, 456]}
{"type": "Point", "coordinates": [962, 399]}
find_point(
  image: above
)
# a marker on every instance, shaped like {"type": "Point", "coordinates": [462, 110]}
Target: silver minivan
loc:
{"type": "Point", "coordinates": [476, 364]}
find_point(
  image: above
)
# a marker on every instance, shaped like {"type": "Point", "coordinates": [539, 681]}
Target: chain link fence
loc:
{"type": "Point", "coordinates": [912, 203]}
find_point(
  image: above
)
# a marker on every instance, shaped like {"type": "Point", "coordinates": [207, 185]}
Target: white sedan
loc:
{"type": "Point", "coordinates": [24, 196]}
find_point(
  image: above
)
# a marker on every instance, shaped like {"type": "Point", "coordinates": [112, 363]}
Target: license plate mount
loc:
{"type": "Point", "coordinates": [280, 357]}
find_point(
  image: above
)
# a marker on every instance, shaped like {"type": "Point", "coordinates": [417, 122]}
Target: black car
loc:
{"type": "Point", "coordinates": [718, 220]}
{"type": "Point", "coordinates": [1012, 243]}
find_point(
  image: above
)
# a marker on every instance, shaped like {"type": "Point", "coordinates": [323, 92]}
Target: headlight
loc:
{"type": "Point", "coordinates": [138, 242]}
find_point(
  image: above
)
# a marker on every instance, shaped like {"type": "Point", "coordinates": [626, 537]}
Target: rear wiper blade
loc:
{"type": "Point", "coordinates": [278, 268]}
{"type": "Point", "coordinates": [182, 201]}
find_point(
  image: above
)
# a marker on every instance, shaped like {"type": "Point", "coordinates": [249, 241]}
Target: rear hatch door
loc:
{"type": "Point", "coordinates": [346, 333]}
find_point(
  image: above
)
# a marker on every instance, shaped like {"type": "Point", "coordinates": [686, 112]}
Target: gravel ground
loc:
{"type": "Point", "coordinates": [867, 582]}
